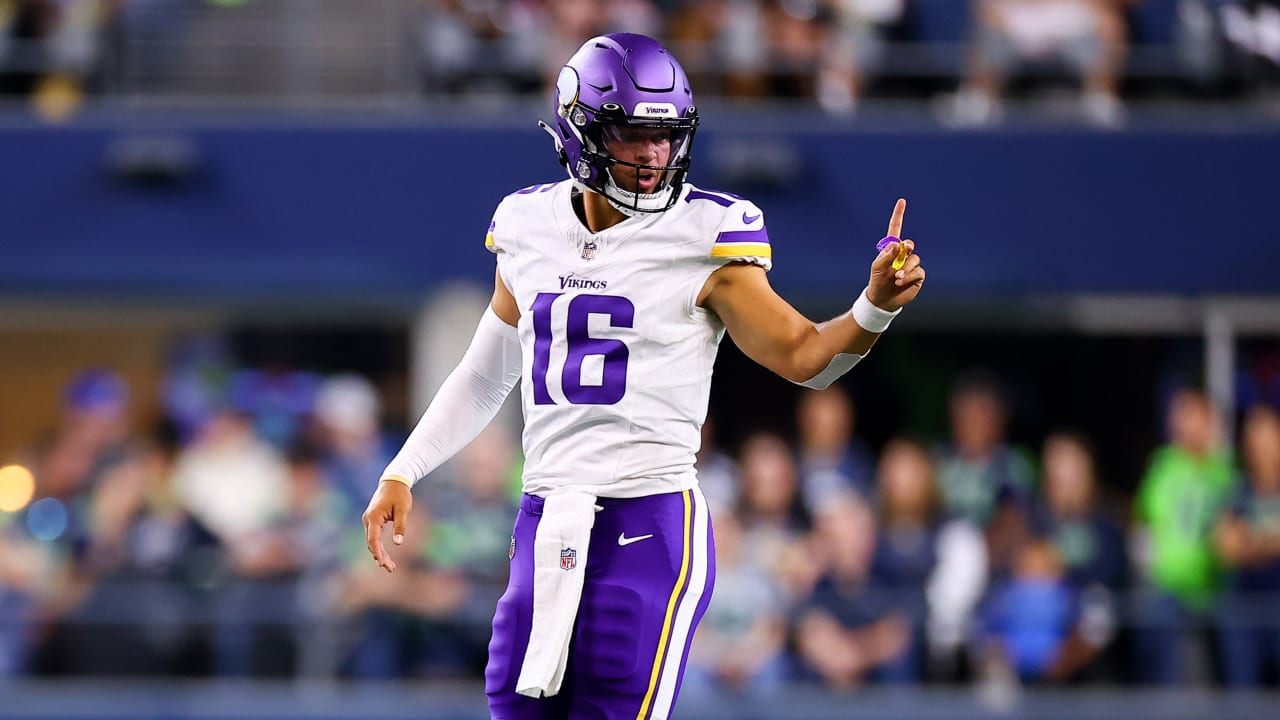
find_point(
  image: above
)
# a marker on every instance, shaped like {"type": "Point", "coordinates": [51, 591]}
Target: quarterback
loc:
{"type": "Point", "coordinates": [612, 291]}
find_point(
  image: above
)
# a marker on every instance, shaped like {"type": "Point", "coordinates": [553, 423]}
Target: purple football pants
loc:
{"type": "Point", "coordinates": [649, 575]}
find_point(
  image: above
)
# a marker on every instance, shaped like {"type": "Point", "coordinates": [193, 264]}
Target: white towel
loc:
{"type": "Point", "coordinates": [559, 566]}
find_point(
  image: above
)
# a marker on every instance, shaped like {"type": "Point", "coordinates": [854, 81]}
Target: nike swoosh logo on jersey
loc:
{"type": "Point", "coordinates": [624, 540]}
{"type": "Point", "coordinates": [748, 219]}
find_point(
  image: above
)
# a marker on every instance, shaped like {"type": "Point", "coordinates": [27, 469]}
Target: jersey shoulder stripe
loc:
{"type": "Point", "coordinates": [752, 242]}
{"type": "Point", "coordinates": [721, 199]}
{"type": "Point", "coordinates": [737, 227]}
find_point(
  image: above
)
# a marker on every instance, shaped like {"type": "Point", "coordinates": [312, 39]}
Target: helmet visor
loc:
{"type": "Point", "coordinates": [643, 158]}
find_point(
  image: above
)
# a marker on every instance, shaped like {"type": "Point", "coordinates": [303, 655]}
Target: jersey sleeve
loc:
{"type": "Point", "coordinates": [742, 237]}
{"type": "Point", "coordinates": [491, 242]}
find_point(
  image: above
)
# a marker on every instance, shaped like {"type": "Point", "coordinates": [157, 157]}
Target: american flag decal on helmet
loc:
{"type": "Point", "coordinates": [568, 559]}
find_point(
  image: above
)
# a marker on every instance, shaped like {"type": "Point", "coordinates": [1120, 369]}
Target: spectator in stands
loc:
{"type": "Point", "coordinates": [854, 47]}
{"type": "Point", "coordinates": [570, 22]}
{"type": "Point", "coordinates": [1032, 620]}
{"type": "Point", "coordinates": [932, 568]}
{"type": "Point", "coordinates": [71, 54]}
{"type": "Point", "coordinates": [452, 40]}
{"type": "Point", "coordinates": [1090, 544]}
{"type": "Point", "coordinates": [149, 562]}
{"type": "Point", "coordinates": [906, 546]}
{"type": "Point", "coordinates": [231, 480]}
{"type": "Point", "coordinates": [193, 389]}
{"type": "Point", "coordinates": [1252, 29]}
{"type": "Point", "coordinates": [692, 29]}
{"type": "Point", "coordinates": [1187, 484]}
{"type": "Point", "coordinates": [742, 46]}
{"type": "Point", "coordinates": [347, 423]}
{"type": "Point", "coordinates": [1248, 539]}
{"type": "Point", "coordinates": [1086, 35]}
{"type": "Point", "coordinates": [848, 630]}
{"type": "Point", "coordinates": [74, 38]}
{"type": "Point", "coordinates": [485, 47]}
{"type": "Point", "coordinates": [794, 32]}
{"type": "Point", "coordinates": [773, 513]}
{"type": "Point", "coordinates": [238, 485]}
{"type": "Point", "coordinates": [832, 459]}
{"type": "Point", "coordinates": [265, 618]}
{"type": "Point", "coordinates": [95, 428]}
{"type": "Point", "coordinates": [276, 400]}
{"type": "Point", "coordinates": [980, 477]}
{"type": "Point", "coordinates": [723, 44]}
{"type": "Point", "coordinates": [739, 646]}
{"type": "Point", "coordinates": [22, 24]}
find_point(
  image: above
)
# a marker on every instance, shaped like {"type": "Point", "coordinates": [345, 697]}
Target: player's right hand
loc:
{"type": "Point", "coordinates": [892, 287]}
{"type": "Point", "coordinates": [391, 502]}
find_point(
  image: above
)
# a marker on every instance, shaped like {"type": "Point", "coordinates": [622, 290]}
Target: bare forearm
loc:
{"type": "Point", "coordinates": [838, 344]}
{"type": "Point", "coordinates": [842, 334]}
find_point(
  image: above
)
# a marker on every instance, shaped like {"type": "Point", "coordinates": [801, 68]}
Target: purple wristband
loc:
{"type": "Point", "coordinates": [885, 242]}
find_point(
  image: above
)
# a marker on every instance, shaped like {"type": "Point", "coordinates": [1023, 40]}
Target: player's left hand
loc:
{"type": "Point", "coordinates": [890, 288]}
{"type": "Point", "coordinates": [390, 503]}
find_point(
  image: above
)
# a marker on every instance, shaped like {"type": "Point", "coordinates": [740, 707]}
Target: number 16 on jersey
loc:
{"type": "Point", "coordinates": [580, 347]}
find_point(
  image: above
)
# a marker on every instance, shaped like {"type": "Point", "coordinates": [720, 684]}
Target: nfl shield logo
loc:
{"type": "Point", "coordinates": [568, 559]}
{"type": "Point", "coordinates": [589, 251]}
{"type": "Point", "coordinates": [511, 551]}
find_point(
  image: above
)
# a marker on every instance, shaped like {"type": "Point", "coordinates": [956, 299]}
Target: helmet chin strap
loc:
{"type": "Point", "coordinates": [635, 204]}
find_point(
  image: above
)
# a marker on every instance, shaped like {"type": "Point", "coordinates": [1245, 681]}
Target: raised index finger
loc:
{"type": "Point", "coordinates": [895, 222]}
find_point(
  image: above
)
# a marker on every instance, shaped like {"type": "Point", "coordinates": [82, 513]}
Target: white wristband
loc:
{"type": "Point", "coordinates": [871, 318]}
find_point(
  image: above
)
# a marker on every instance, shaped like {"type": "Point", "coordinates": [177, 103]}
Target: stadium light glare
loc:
{"type": "Point", "coordinates": [17, 487]}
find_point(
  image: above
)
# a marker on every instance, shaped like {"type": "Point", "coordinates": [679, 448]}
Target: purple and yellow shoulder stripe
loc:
{"type": "Point", "coordinates": [488, 237]}
{"type": "Point", "coordinates": [743, 243]}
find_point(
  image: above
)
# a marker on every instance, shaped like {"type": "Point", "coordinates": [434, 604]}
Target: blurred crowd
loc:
{"type": "Point", "coordinates": [54, 50]}
{"type": "Point", "coordinates": [831, 51]}
{"type": "Point", "coordinates": [836, 51]}
{"type": "Point", "coordinates": [226, 542]}
{"type": "Point", "coordinates": [964, 55]}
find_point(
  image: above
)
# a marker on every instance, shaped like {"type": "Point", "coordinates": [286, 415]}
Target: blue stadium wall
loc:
{"type": "Point", "coordinates": [281, 208]}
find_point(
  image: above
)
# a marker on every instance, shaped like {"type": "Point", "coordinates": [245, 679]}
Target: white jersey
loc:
{"type": "Point", "coordinates": [617, 356]}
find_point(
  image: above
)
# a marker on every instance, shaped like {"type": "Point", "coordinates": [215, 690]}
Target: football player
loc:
{"type": "Point", "coordinates": [612, 292]}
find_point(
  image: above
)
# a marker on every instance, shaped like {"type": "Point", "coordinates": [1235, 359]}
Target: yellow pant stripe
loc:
{"type": "Point", "coordinates": [671, 609]}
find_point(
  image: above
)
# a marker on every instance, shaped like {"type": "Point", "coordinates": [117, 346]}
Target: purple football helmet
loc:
{"type": "Point", "coordinates": [614, 85]}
